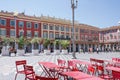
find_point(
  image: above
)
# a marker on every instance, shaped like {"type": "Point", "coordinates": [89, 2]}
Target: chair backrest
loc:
{"type": "Point", "coordinates": [72, 66]}
{"type": "Point", "coordinates": [118, 59]}
{"type": "Point", "coordinates": [20, 63]}
{"type": "Point", "coordinates": [114, 59]}
{"type": "Point", "coordinates": [44, 78]}
{"type": "Point", "coordinates": [28, 68]}
{"type": "Point", "coordinates": [91, 70]}
{"type": "Point", "coordinates": [93, 61]}
{"type": "Point", "coordinates": [61, 62]}
{"type": "Point", "coordinates": [29, 72]}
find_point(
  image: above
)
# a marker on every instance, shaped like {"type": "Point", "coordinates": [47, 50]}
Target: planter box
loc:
{"type": "Point", "coordinates": [20, 52]}
{"type": "Point", "coordinates": [64, 51]}
{"type": "Point", "coordinates": [47, 52]}
{"type": "Point", "coordinates": [57, 51]}
{"type": "Point", "coordinates": [5, 51]}
{"type": "Point", "coordinates": [35, 52]}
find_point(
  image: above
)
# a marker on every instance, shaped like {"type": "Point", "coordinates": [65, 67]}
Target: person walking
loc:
{"type": "Point", "coordinates": [97, 50]}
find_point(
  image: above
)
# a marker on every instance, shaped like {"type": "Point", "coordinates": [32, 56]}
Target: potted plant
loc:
{"type": "Point", "coordinates": [34, 41]}
{"type": "Point", "coordinates": [21, 42]}
{"type": "Point", "coordinates": [5, 47]}
{"type": "Point", "coordinates": [46, 43]}
{"type": "Point", "coordinates": [64, 45]}
{"type": "Point", "coordinates": [57, 43]}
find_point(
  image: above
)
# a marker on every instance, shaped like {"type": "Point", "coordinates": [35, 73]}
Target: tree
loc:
{"type": "Point", "coordinates": [21, 42]}
{"type": "Point", "coordinates": [65, 44]}
{"type": "Point", "coordinates": [36, 41]}
{"type": "Point", "coordinates": [57, 42]}
{"type": "Point", "coordinates": [46, 42]}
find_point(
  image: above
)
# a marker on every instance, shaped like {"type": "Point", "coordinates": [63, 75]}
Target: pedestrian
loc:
{"type": "Point", "coordinates": [97, 50]}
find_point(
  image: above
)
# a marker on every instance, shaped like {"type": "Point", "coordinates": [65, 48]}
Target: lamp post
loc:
{"type": "Point", "coordinates": [15, 19]}
{"type": "Point", "coordinates": [73, 6]}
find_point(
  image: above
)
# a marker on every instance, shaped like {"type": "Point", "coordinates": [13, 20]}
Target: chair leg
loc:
{"type": "Point", "coordinates": [16, 76]}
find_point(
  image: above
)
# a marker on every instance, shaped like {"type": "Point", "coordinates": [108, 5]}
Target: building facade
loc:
{"type": "Point", "coordinates": [109, 39]}
{"type": "Point", "coordinates": [86, 36]}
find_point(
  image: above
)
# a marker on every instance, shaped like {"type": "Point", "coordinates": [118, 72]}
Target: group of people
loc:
{"type": "Point", "coordinates": [12, 50]}
{"type": "Point", "coordinates": [90, 50]}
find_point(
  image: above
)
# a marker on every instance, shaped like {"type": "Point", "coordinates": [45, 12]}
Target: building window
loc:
{"type": "Point", "coordinates": [62, 36]}
{"type": "Point", "coordinates": [71, 29]}
{"type": "Point", "coordinates": [111, 36]}
{"type": "Point", "coordinates": [29, 34]}
{"type": "Point", "coordinates": [82, 37]}
{"type": "Point", "coordinates": [36, 25]}
{"type": "Point", "coordinates": [76, 29]}
{"type": "Point", "coordinates": [36, 34]}
{"type": "Point", "coordinates": [67, 29]}
{"type": "Point", "coordinates": [51, 35]}
{"type": "Point", "coordinates": [45, 34]}
{"type": "Point", "coordinates": [51, 27]}
{"type": "Point", "coordinates": [12, 22]}
{"type": "Point", "coordinates": [28, 24]}
{"type": "Point", "coordinates": [21, 23]}
{"type": "Point", "coordinates": [57, 28]}
{"type": "Point", "coordinates": [67, 36]}
{"type": "Point", "coordinates": [56, 35]}
{"type": "Point", "coordinates": [3, 22]}
{"type": "Point", "coordinates": [62, 28]}
{"type": "Point", "coordinates": [2, 32]}
{"type": "Point", "coordinates": [76, 37]}
{"type": "Point", "coordinates": [21, 33]}
{"type": "Point", "coordinates": [45, 26]}
{"type": "Point", "coordinates": [12, 32]}
{"type": "Point", "coordinates": [82, 30]}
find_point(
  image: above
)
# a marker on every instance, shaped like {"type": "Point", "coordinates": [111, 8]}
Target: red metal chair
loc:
{"type": "Point", "coordinates": [116, 75]}
{"type": "Point", "coordinates": [72, 66]}
{"type": "Point", "coordinates": [45, 78]}
{"type": "Point", "coordinates": [100, 70]}
{"type": "Point", "coordinates": [114, 59]}
{"type": "Point", "coordinates": [63, 67]}
{"type": "Point", "coordinates": [91, 70]}
{"type": "Point", "coordinates": [62, 63]}
{"type": "Point", "coordinates": [20, 67]}
{"type": "Point", "coordinates": [29, 72]}
{"type": "Point", "coordinates": [93, 61]}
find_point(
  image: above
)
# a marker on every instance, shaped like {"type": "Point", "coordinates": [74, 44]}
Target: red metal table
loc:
{"type": "Point", "coordinates": [81, 76]}
{"type": "Point", "coordinates": [83, 64]}
{"type": "Point", "coordinates": [46, 66]}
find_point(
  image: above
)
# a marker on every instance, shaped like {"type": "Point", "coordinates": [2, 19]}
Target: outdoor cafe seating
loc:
{"type": "Point", "coordinates": [95, 69]}
{"type": "Point", "coordinates": [19, 70]}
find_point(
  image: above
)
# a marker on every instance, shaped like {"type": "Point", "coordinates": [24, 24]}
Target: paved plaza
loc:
{"type": "Point", "coordinates": [8, 70]}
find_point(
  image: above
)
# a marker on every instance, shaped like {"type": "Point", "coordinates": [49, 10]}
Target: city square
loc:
{"type": "Point", "coordinates": [61, 40]}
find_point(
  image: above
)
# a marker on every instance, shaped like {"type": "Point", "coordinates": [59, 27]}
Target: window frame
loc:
{"type": "Point", "coordinates": [20, 24]}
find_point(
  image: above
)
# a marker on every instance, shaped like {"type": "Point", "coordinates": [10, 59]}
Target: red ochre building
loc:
{"type": "Point", "coordinates": [86, 36]}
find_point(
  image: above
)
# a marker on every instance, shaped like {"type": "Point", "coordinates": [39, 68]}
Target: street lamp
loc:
{"type": "Point", "coordinates": [73, 6]}
{"type": "Point", "coordinates": [15, 19]}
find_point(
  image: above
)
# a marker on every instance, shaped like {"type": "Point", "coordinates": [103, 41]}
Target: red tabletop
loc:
{"type": "Point", "coordinates": [47, 67]}
{"type": "Point", "coordinates": [81, 76]}
{"type": "Point", "coordinates": [82, 62]}
{"type": "Point", "coordinates": [49, 64]}
{"type": "Point", "coordinates": [113, 68]}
